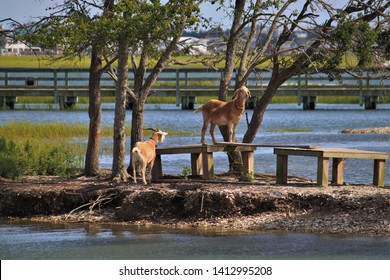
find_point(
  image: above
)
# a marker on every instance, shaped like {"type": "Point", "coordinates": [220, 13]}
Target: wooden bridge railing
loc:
{"type": "Point", "coordinates": [185, 85]}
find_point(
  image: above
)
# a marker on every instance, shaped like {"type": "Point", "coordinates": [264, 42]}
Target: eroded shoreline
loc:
{"type": "Point", "coordinates": [262, 206]}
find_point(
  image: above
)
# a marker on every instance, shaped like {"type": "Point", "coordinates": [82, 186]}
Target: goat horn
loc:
{"type": "Point", "coordinates": [152, 129]}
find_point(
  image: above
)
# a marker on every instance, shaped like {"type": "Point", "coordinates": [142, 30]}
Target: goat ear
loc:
{"type": "Point", "coordinates": [235, 94]}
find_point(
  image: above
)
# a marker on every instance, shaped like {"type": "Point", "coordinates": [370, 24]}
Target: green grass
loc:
{"type": "Point", "coordinates": [53, 62]}
{"type": "Point", "coordinates": [57, 131]}
{"type": "Point", "coordinates": [42, 62]}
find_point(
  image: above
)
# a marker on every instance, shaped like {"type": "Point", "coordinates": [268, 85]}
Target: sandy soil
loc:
{"type": "Point", "coordinates": [225, 202]}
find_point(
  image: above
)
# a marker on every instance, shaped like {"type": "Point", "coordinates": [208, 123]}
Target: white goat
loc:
{"type": "Point", "coordinates": [219, 112]}
{"type": "Point", "coordinates": [144, 153]}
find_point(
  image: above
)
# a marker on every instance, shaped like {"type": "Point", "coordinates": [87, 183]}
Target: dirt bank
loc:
{"type": "Point", "coordinates": [374, 130]}
{"type": "Point", "coordinates": [261, 205]}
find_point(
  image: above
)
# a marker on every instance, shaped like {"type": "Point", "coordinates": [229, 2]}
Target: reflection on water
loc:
{"type": "Point", "coordinates": [92, 241]}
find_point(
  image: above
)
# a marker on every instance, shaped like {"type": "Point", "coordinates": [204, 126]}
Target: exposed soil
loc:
{"type": "Point", "coordinates": [374, 130]}
{"type": "Point", "coordinates": [225, 202]}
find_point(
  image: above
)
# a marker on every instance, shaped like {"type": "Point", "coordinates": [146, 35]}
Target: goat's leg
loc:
{"type": "Point", "coordinates": [230, 132]}
{"type": "Point", "coordinates": [151, 164]}
{"type": "Point", "coordinates": [234, 132]}
{"type": "Point", "coordinates": [204, 128]}
{"type": "Point", "coordinates": [143, 172]}
{"type": "Point", "coordinates": [212, 128]}
{"type": "Point", "coordinates": [134, 171]}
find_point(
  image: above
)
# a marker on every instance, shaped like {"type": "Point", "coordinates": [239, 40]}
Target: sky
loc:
{"type": "Point", "coordinates": [23, 10]}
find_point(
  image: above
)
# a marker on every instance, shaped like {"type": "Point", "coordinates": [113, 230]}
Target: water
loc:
{"type": "Point", "coordinates": [118, 242]}
{"type": "Point", "coordinates": [96, 241]}
{"type": "Point", "coordinates": [324, 124]}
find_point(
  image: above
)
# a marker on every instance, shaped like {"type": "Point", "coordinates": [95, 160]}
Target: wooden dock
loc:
{"type": "Point", "coordinates": [323, 155]}
{"type": "Point", "coordinates": [202, 161]}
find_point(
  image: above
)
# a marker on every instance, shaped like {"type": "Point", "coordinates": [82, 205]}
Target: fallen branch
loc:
{"type": "Point", "coordinates": [100, 201]}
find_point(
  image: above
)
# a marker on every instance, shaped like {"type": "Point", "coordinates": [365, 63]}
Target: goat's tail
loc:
{"type": "Point", "coordinates": [199, 109]}
{"type": "Point", "coordinates": [136, 155]}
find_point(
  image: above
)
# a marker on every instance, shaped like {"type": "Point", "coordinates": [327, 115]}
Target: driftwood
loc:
{"type": "Point", "coordinates": [100, 201]}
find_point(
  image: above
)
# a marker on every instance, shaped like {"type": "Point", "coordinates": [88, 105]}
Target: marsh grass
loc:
{"type": "Point", "coordinates": [38, 158]}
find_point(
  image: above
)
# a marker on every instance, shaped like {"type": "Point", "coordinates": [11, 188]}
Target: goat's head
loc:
{"type": "Point", "coordinates": [243, 92]}
{"type": "Point", "coordinates": [158, 135]}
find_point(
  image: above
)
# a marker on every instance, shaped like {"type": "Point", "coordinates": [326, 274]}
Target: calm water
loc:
{"type": "Point", "coordinates": [91, 241]}
{"type": "Point", "coordinates": [324, 125]}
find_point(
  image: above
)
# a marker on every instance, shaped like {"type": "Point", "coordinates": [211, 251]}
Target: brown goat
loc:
{"type": "Point", "coordinates": [144, 153]}
{"type": "Point", "coordinates": [219, 112]}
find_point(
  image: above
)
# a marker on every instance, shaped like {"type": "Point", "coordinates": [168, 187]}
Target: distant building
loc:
{"type": "Point", "coordinates": [20, 48]}
{"type": "Point", "coordinates": [193, 46]}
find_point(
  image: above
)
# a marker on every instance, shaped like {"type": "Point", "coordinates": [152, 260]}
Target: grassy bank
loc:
{"type": "Point", "coordinates": [41, 149]}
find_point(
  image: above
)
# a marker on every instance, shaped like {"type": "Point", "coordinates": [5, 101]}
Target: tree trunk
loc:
{"type": "Point", "coordinates": [277, 79]}
{"type": "Point", "coordinates": [119, 171]}
{"type": "Point", "coordinates": [137, 123]}
{"type": "Point", "coordinates": [231, 50]}
{"type": "Point", "coordinates": [235, 159]}
{"type": "Point", "coordinates": [95, 115]}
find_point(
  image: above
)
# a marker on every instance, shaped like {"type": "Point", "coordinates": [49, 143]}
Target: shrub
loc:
{"type": "Point", "coordinates": [10, 166]}
{"type": "Point", "coordinates": [30, 158]}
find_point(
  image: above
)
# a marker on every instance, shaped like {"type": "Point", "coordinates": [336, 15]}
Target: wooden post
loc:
{"type": "Point", "coordinates": [208, 165]}
{"type": "Point", "coordinates": [248, 160]}
{"type": "Point", "coordinates": [196, 164]}
{"type": "Point", "coordinates": [157, 168]}
{"type": "Point", "coordinates": [281, 169]}
{"type": "Point", "coordinates": [177, 88]}
{"type": "Point", "coordinates": [379, 172]}
{"type": "Point", "coordinates": [338, 171]}
{"type": "Point", "coordinates": [323, 171]}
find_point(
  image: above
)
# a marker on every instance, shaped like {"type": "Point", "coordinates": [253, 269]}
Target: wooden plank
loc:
{"type": "Point", "coordinates": [332, 153]}
{"type": "Point", "coordinates": [185, 149]}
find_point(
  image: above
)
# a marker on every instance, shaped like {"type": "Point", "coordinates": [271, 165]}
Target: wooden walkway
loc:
{"type": "Point", "coordinates": [65, 85]}
{"type": "Point", "coordinates": [202, 161]}
{"type": "Point", "coordinates": [323, 155]}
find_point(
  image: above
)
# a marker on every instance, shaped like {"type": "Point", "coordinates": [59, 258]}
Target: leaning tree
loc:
{"type": "Point", "coordinates": [263, 34]}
